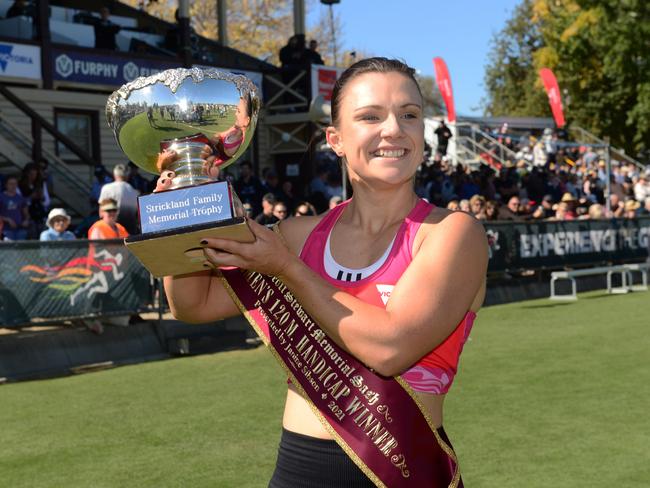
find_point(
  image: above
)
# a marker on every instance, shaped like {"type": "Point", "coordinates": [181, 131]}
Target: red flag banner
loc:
{"type": "Point", "coordinates": [553, 92]}
{"type": "Point", "coordinates": [444, 85]}
{"type": "Point", "coordinates": [323, 79]}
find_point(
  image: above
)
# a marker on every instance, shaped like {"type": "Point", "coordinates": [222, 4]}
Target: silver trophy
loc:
{"type": "Point", "coordinates": [207, 118]}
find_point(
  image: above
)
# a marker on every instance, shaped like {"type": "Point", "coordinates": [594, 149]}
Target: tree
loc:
{"type": "Point", "coordinates": [597, 50]}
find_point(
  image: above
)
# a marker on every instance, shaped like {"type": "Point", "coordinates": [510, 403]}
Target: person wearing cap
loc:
{"type": "Point", "coordinates": [58, 222]}
{"type": "Point", "coordinates": [126, 197]}
{"type": "Point", "coordinates": [107, 226]}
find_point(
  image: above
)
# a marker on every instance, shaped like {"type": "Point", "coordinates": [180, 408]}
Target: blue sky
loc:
{"type": "Point", "coordinates": [459, 31]}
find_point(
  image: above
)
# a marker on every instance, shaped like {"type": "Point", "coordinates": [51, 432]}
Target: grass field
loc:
{"type": "Point", "coordinates": [549, 394]}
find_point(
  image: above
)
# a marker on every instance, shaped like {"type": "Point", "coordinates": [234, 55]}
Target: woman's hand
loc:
{"type": "Point", "coordinates": [268, 254]}
{"type": "Point", "coordinates": [164, 181]}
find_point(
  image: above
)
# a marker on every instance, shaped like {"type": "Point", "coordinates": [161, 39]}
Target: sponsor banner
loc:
{"type": "Point", "coordinates": [444, 85]}
{"type": "Point", "coordinates": [91, 68]}
{"type": "Point", "coordinates": [58, 280]}
{"type": "Point", "coordinates": [323, 79]}
{"type": "Point", "coordinates": [550, 244]}
{"type": "Point", "coordinates": [20, 60]}
{"type": "Point", "coordinates": [553, 93]}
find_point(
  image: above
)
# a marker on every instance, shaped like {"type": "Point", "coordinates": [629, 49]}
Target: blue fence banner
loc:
{"type": "Point", "coordinates": [556, 244]}
{"type": "Point", "coordinates": [20, 61]}
{"type": "Point", "coordinates": [71, 279]}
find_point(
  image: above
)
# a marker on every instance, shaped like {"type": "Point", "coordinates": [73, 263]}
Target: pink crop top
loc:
{"type": "Point", "coordinates": [434, 373]}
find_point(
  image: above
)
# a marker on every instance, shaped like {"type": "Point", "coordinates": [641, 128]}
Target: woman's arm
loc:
{"type": "Point", "coordinates": [198, 297]}
{"type": "Point", "coordinates": [426, 305]}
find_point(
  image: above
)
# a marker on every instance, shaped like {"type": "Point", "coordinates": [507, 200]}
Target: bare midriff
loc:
{"type": "Point", "coordinates": [299, 417]}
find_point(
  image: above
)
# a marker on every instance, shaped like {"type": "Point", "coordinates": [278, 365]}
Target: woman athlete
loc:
{"type": "Point", "coordinates": [390, 278]}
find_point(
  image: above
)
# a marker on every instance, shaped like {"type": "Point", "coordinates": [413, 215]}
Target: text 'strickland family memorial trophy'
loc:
{"type": "Point", "coordinates": [207, 117]}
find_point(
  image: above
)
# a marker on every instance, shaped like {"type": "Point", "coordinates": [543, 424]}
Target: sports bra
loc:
{"type": "Point", "coordinates": [433, 373]}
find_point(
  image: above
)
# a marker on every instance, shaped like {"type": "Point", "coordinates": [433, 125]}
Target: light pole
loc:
{"type": "Point", "coordinates": [330, 3]}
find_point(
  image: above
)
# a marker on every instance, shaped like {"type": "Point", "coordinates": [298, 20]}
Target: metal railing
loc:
{"type": "Point", "coordinates": [583, 135]}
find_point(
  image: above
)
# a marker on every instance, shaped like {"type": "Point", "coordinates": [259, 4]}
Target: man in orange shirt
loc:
{"type": "Point", "coordinates": [107, 227]}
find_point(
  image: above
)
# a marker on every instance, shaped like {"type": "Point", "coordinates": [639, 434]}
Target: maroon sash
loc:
{"type": "Point", "coordinates": [377, 421]}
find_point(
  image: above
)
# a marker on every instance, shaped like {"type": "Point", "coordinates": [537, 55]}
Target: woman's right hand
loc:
{"type": "Point", "coordinates": [164, 181]}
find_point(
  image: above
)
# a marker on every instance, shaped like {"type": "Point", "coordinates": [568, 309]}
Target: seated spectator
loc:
{"type": "Point", "coordinates": [571, 202]}
{"type": "Point", "coordinates": [267, 217]}
{"type": "Point", "coordinates": [630, 209]}
{"type": "Point", "coordinates": [3, 237]}
{"type": "Point", "coordinates": [453, 205]}
{"type": "Point", "coordinates": [477, 207]}
{"type": "Point", "coordinates": [304, 209]}
{"type": "Point", "coordinates": [58, 222]}
{"type": "Point", "coordinates": [463, 206]}
{"type": "Point", "coordinates": [107, 227]}
{"type": "Point", "coordinates": [248, 187]}
{"type": "Point", "coordinates": [14, 210]}
{"type": "Point", "coordinates": [561, 211]}
{"type": "Point", "coordinates": [491, 210]}
{"type": "Point", "coordinates": [335, 201]}
{"type": "Point", "coordinates": [596, 211]}
{"type": "Point", "coordinates": [642, 188]}
{"type": "Point", "coordinates": [280, 210]}
{"type": "Point", "coordinates": [511, 210]}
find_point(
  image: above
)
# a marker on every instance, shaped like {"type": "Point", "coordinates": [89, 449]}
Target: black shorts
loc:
{"type": "Point", "coordinates": [309, 462]}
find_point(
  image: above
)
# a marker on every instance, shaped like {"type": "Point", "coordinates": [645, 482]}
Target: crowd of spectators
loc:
{"type": "Point", "coordinates": [547, 179]}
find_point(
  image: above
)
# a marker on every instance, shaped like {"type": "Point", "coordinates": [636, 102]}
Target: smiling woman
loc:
{"type": "Point", "coordinates": [390, 281]}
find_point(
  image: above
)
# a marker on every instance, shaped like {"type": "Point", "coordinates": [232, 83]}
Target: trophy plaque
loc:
{"type": "Point", "coordinates": [207, 117]}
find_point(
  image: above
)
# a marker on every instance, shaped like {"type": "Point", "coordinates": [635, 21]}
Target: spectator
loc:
{"type": "Point", "coordinates": [3, 237]}
{"type": "Point", "coordinates": [267, 217]}
{"type": "Point", "coordinates": [453, 205]}
{"type": "Point", "coordinates": [58, 222]}
{"type": "Point", "coordinates": [630, 209]}
{"type": "Point", "coordinates": [37, 213]}
{"type": "Point", "coordinates": [314, 56]}
{"type": "Point", "coordinates": [105, 31]}
{"type": "Point", "coordinates": [444, 134]}
{"type": "Point", "coordinates": [125, 196]}
{"type": "Point", "coordinates": [477, 207]}
{"type": "Point", "coordinates": [335, 201]}
{"type": "Point", "coordinates": [14, 210]}
{"type": "Point", "coordinates": [616, 207]}
{"type": "Point", "coordinates": [511, 211]}
{"type": "Point", "coordinates": [248, 209]}
{"type": "Point", "coordinates": [545, 209]}
{"type": "Point", "coordinates": [107, 226]}
{"type": "Point", "coordinates": [561, 211]}
{"type": "Point", "coordinates": [570, 201]}
{"type": "Point", "coordinates": [596, 211]}
{"type": "Point", "coordinates": [463, 206]}
{"type": "Point", "coordinates": [271, 184]}
{"type": "Point", "coordinates": [304, 209]}
{"type": "Point", "coordinates": [646, 207]}
{"type": "Point", "coordinates": [491, 210]}
{"type": "Point", "coordinates": [31, 181]}
{"type": "Point", "coordinates": [642, 188]}
{"type": "Point", "coordinates": [101, 178]}
{"type": "Point", "coordinates": [20, 8]}
{"type": "Point", "coordinates": [248, 187]}
{"type": "Point", "coordinates": [280, 210]}
{"type": "Point", "coordinates": [137, 181]}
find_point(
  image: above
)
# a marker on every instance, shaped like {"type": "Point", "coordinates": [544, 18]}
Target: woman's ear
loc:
{"type": "Point", "coordinates": [334, 140]}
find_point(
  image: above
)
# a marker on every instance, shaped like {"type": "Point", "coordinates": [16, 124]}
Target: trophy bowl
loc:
{"type": "Point", "coordinates": [207, 117]}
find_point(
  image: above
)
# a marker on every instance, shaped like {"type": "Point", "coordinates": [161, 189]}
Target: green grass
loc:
{"type": "Point", "coordinates": [548, 394]}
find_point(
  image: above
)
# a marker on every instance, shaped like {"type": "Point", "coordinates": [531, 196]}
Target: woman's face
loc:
{"type": "Point", "coordinates": [381, 128]}
{"type": "Point", "coordinates": [241, 114]}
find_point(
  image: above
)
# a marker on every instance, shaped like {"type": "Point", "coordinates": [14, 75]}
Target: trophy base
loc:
{"type": "Point", "coordinates": [178, 251]}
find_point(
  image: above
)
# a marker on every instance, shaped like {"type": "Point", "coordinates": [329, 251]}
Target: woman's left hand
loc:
{"type": "Point", "coordinates": [267, 254]}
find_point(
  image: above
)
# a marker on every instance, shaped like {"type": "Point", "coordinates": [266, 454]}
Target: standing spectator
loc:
{"type": "Point", "coordinates": [125, 196]}
{"type": "Point", "coordinates": [105, 31]}
{"type": "Point", "coordinates": [101, 178]}
{"type": "Point", "coordinates": [14, 210]}
{"type": "Point", "coordinates": [58, 222]}
{"type": "Point", "coordinates": [280, 211]}
{"type": "Point", "coordinates": [267, 217]}
{"type": "Point", "coordinates": [107, 226]}
{"type": "Point", "coordinates": [248, 187]}
{"type": "Point", "coordinates": [31, 180]}
{"type": "Point", "coordinates": [137, 181]}
{"type": "Point", "coordinates": [444, 134]}
{"type": "Point", "coordinates": [271, 184]}
{"type": "Point", "coordinates": [314, 56]}
{"type": "Point", "coordinates": [20, 8]}
{"type": "Point", "coordinates": [37, 213]}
